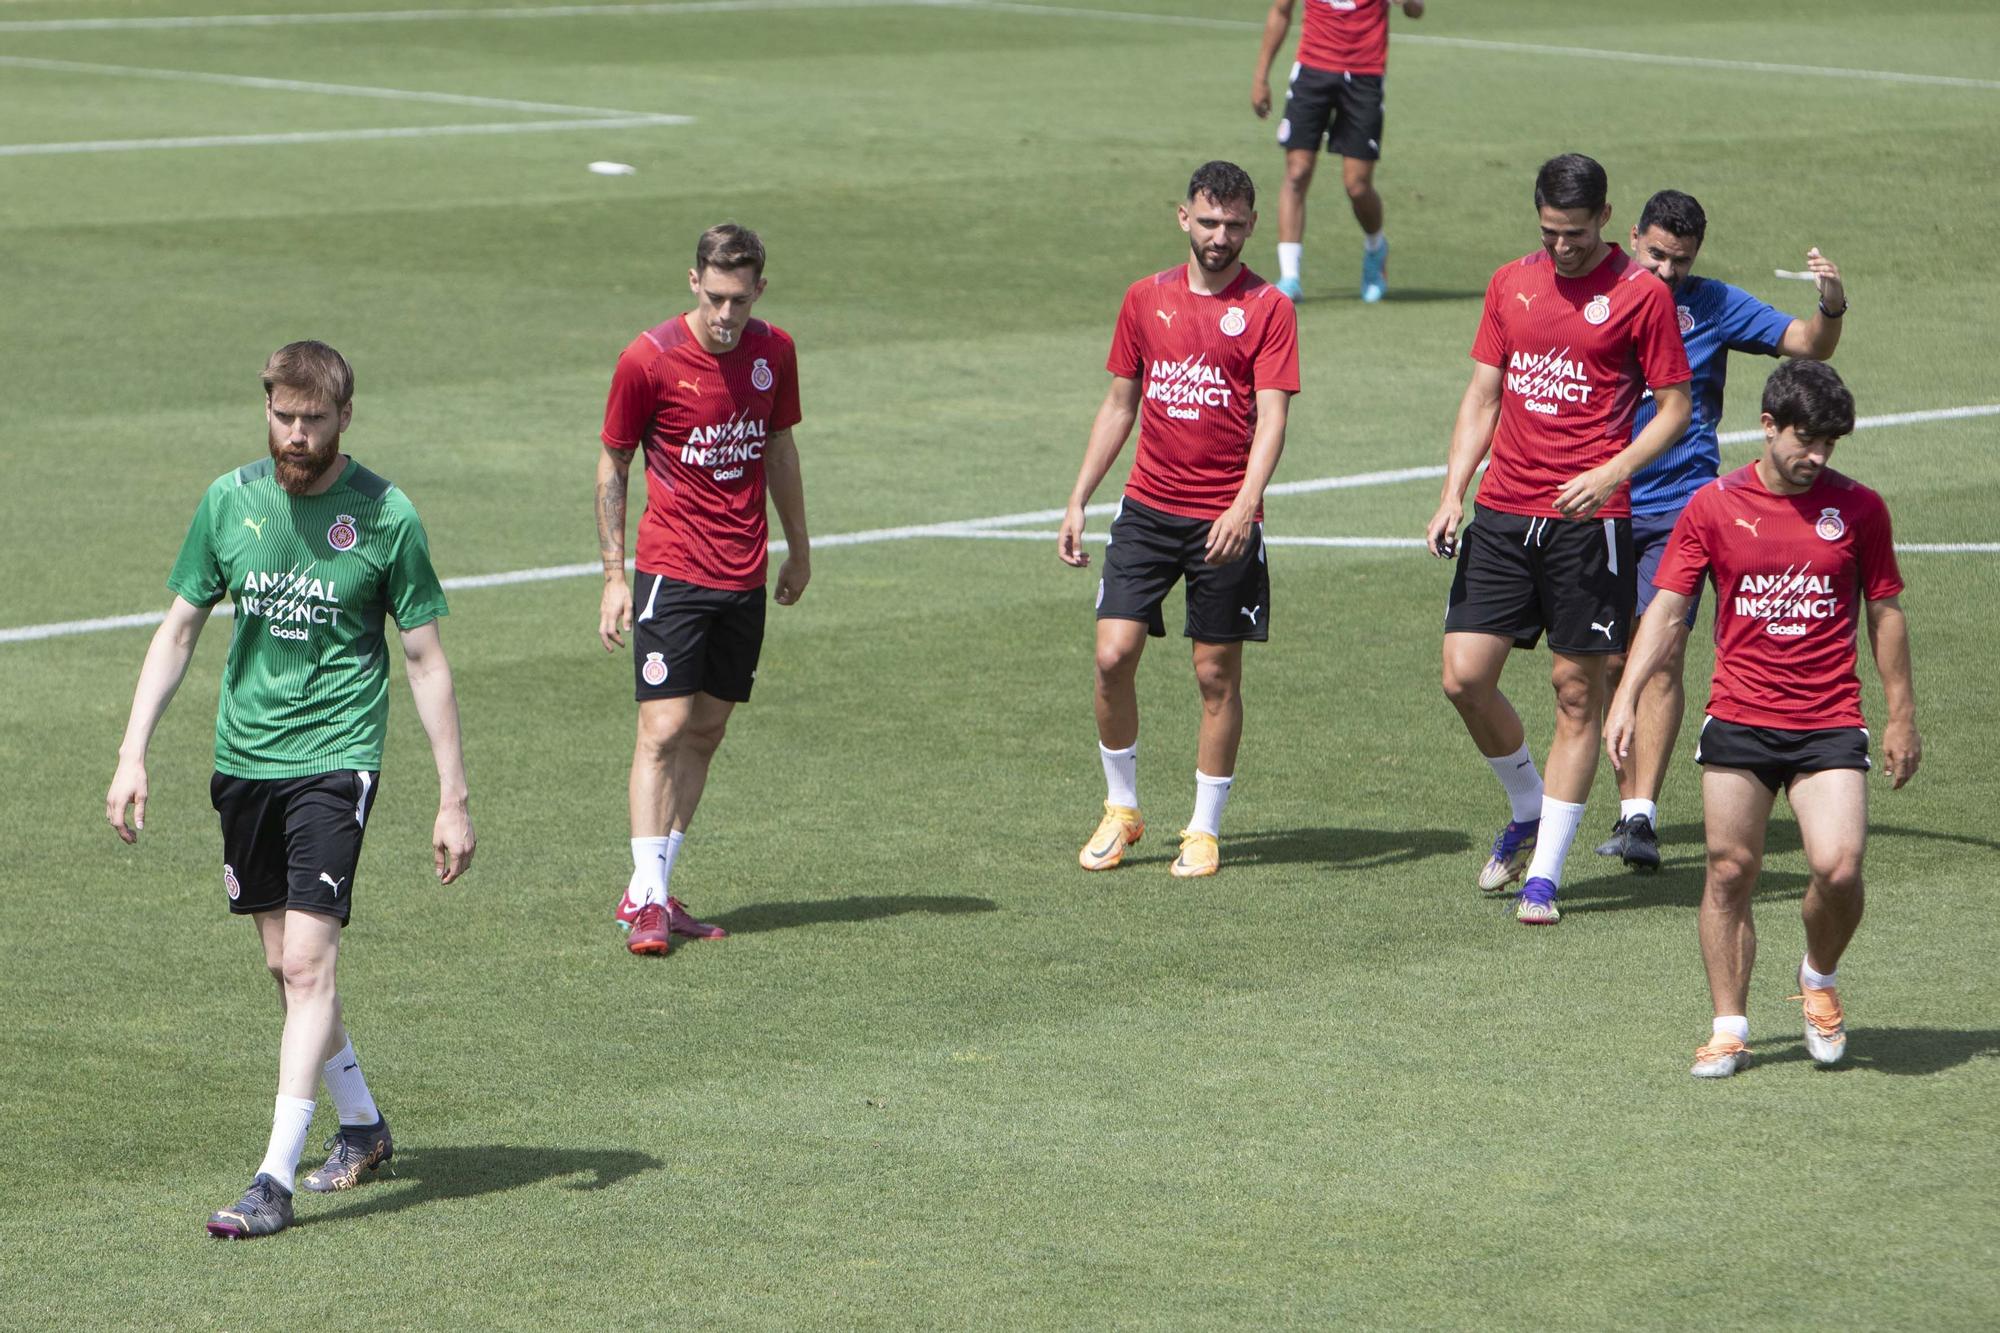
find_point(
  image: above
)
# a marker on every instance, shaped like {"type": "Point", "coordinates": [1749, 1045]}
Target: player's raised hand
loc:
{"type": "Point", "coordinates": [1585, 493]}
{"type": "Point", "coordinates": [1442, 534]}
{"type": "Point", "coordinates": [1260, 98]}
{"type": "Point", "coordinates": [128, 787]}
{"type": "Point", "coordinates": [1902, 751]}
{"type": "Point", "coordinates": [1618, 723]}
{"type": "Point", "coordinates": [452, 842]}
{"type": "Point", "coordinates": [1069, 541]}
{"type": "Point", "coordinates": [1229, 536]}
{"type": "Point", "coordinates": [1826, 276]}
{"type": "Point", "coordinates": [614, 613]}
{"type": "Point", "coordinates": [793, 575]}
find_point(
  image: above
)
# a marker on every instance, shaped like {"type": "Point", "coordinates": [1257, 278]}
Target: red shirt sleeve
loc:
{"type": "Point", "coordinates": [785, 402]}
{"type": "Point", "coordinates": [628, 413]}
{"type": "Point", "coordinates": [1686, 558]}
{"type": "Point", "coordinates": [1125, 361]}
{"type": "Point", "coordinates": [1277, 364]}
{"type": "Point", "coordinates": [1489, 345]}
{"type": "Point", "coordinates": [1875, 555]}
{"type": "Point", "coordinates": [1656, 336]}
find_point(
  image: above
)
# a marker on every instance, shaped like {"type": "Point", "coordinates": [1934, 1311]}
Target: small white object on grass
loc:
{"type": "Point", "coordinates": [614, 169]}
{"type": "Point", "coordinates": [1776, 272]}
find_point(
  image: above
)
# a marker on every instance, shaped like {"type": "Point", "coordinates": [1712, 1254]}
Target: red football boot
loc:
{"type": "Point", "coordinates": [680, 923]}
{"type": "Point", "coordinates": [649, 931]}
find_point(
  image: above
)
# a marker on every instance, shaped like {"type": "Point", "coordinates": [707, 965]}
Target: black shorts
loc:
{"type": "Point", "coordinates": [292, 842]}
{"type": "Point", "coordinates": [1345, 109]}
{"type": "Point", "coordinates": [1649, 544]}
{"type": "Point", "coordinates": [688, 639]}
{"type": "Point", "coordinates": [1775, 757]}
{"type": "Point", "coordinates": [1518, 576]}
{"type": "Point", "coordinates": [1149, 550]}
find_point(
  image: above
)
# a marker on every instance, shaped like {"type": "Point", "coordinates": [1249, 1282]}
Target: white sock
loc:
{"type": "Point", "coordinates": [1210, 795]}
{"type": "Point", "coordinates": [1552, 840]}
{"type": "Point", "coordinates": [1517, 774]}
{"type": "Point", "coordinates": [674, 841]}
{"type": "Point", "coordinates": [349, 1089]}
{"type": "Point", "coordinates": [1290, 255]}
{"type": "Point", "coordinates": [1733, 1025]}
{"type": "Point", "coordinates": [289, 1123]}
{"type": "Point", "coordinates": [1121, 774]}
{"type": "Point", "coordinates": [649, 871]}
{"type": "Point", "coordinates": [1650, 809]}
{"type": "Point", "coordinates": [1374, 241]}
{"type": "Point", "coordinates": [1817, 980]}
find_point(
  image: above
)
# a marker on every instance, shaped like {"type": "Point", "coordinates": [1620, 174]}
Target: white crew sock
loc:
{"type": "Point", "coordinates": [1210, 796]}
{"type": "Point", "coordinates": [1517, 774]}
{"type": "Point", "coordinates": [1650, 809]}
{"type": "Point", "coordinates": [1290, 255]}
{"type": "Point", "coordinates": [1374, 241]}
{"type": "Point", "coordinates": [289, 1123]}
{"type": "Point", "coordinates": [1121, 774]}
{"type": "Point", "coordinates": [1732, 1025]}
{"type": "Point", "coordinates": [674, 841]}
{"type": "Point", "coordinates": [1817, 980]}
{"type": "Point", "coordinates": [349, 1089]}
{"type": "Point", "coordinates": [1552, 840]}
{"type": "Point", "coordinates": [649, 871]}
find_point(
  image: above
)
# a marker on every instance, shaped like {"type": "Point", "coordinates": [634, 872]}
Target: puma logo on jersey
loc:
{"type": "Point", "coordinates": [325, 878]}
{"type": "Point", "coordinates": [1747, 523]}
{"type": "Point", "coordinates": [256, 525]}
{"type": "Point", "coordinates": [1605, 630]}
{"type": "Point", "coordinates": [1527, 299]}
{"type": "Point", "coordinates": [693, 386]}
{"type": "Point", "coordinates": [1167, 316]}
{"type": "Point", "coordinates": [1250, 611]}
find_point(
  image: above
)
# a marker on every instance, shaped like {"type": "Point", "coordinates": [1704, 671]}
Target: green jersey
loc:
{"type": "Point", "coordinates": [306, 687]}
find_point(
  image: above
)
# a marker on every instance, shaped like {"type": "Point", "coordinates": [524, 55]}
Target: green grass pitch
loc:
{"type": "Point", "coordinates": [938, 1077]}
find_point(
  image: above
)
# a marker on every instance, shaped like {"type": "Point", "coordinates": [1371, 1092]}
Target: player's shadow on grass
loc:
{"type": "Point", "coordinates": [861, 907]}
{"type": "Point", "coordinates": [1893, 1050]}
{"type": "Point", "coordinates": [432, 1175]}
{"type": "Point", "coordinates": [1618, 889]}
{"type": "Point", "coordinates": [1346, 848]}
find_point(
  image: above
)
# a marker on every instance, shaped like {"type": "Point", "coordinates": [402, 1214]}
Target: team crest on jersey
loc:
{"type": "Point", "coordinates": [760, 375]}
{"type": "Point", "coordinates": [1233, 321]}
{"type": "Point", "coordinates": [342, 536]}
{"type": "Point", "coordinates": [230, 884]}
{"type": "Point", "coordinates": [1598, 310]}
{"type": "Point", "coordinates": [654, 672]}
{"type": "Point", "coordinates": [1687, 319]}
{"type": "Point", "coordinates": [1829, 527]}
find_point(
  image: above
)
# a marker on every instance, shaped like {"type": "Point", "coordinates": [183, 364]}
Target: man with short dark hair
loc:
{"type": "Point", "coordinates": [1715, 319]}
{"type": "Point", "coordinates": [1205, 358]}
{"type": "Point", "coordinates": [1795, 550]}
{"type": "Point", "coordinates": [316, 550]}
{"type": "Point", "coordinates": [711, 396]}
{"type": "Point", "coordinates": [1570, 336]}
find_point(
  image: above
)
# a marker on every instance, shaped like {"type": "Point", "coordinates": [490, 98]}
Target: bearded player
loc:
{"type": "Point", "coordinates": [1205, 359]}
{"type": "Point", "coordinates": [1800, 555]}
{"type": "Point", "coordinates": [711, 396]}
{"type": "Point", "coordinates": [316, 550]}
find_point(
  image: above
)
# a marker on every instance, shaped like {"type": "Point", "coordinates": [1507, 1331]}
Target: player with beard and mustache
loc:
{"type": "Point", "coordinates": [1205, 358]}
{"type": "Point", "coordinates": [316, 550]}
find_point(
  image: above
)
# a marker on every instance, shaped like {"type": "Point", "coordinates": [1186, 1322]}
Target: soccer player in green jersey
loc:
{"type": "Point", "coordinates": [316, 550]}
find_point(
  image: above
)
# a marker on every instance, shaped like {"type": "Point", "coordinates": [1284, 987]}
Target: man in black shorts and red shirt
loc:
{"type": "Point", "coordinates": [1794, 549]}
{"type": "Point", "coordinates": [1205, 358]}
{"type": "Point", "coordinates": [712, 396]}
{"type": "Point", "coordinates": [1570, 336]}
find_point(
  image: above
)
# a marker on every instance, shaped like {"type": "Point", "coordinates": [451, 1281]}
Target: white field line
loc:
{"type": "Point", "coordinates": [991, 528]}
{"type": "Point", "coordinates": [530, 13]}
{"type": "Point", "coordinates": [336, 136]}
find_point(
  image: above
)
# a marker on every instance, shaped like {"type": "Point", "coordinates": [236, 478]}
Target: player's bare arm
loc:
{"type": "Point", "coordinates": [1276, 24]}
{"type": "Point", "coordinates": [1814, 339]}
{"type": "Point", "coordinates": [1649, 651]}
{"type": "Point", "coordinates": [452, 838]}
{"type": "Point", "coordinates": [786, 485]}
{"type": "Point", "coordinates": [1889, 634]}
{"type": "Point", "coordinates": [1471, 437]}
{"type": "Point", "coordinates": [1108, 433]}
{"type": "Point", "coordinates": [1585, 493]}
{"type": "Point", "coordinates": [166, 664]}
{"type": "Point", "coordinates": [614, 611]}
{"type": "Point", "coordinates": [1229, 535]}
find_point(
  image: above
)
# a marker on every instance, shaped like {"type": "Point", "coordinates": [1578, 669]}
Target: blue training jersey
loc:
{"type": "Point", "coordinates": [1715, 319]}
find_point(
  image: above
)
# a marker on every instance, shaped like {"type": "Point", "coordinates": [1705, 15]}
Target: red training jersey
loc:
{"type": "Point", "coordinates": [1790, 572]}
{"type": "Point", "coordinates": [1345, 36]}
{"type": "Point", "coordinates": [1575, 355]}
{"type": "Point", "coordinates": [1200, 360]}
{"type": "Point", "coordinates": [704, 421]}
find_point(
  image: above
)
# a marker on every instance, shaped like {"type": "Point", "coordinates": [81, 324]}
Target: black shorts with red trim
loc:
{"type": "Point", "coordinates": [1150, 550]}
{"type": "Point", "coordinates": [1518, 576]}
{"type": "Point", "coordinates": [688, 639]}
{"type": "Point", "coordinates": [292, 843]}
{"type": "Point", "coordinates": [1775, 756]}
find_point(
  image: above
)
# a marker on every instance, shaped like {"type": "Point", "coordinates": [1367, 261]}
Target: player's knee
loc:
{"type": "Point", "coordinates": [306, 974]}
{"type": "Point", "coordinates": [1841, 877]}
{"type": "Point", "coordinates": [704, 739]}
{"type": "Point", "coordinates": [1359, 187]}
{"type": "Point", "coordinates": [1732, 875]}
{"type": "Point", "coordinates": [1218, 684]}
{"type": "Point", "coordinates": [1578, 697]}
{"type": "Point", "coordinates": [1115, 663]}
{"type": "Point", "coordinates": [1465, 691]}
{"type": "Point", "coordinates": [1299, 170]}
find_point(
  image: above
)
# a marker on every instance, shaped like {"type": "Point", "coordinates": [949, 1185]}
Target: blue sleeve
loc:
{"type": "Point", "coordinates": [1748, 325]}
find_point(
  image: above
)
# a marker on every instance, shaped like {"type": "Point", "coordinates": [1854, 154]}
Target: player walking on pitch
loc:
{"type": "Point", "coordinates": [1205, 358]}
{"type": "Point", "coordinates": [1570, 336]}
{"type": "Point", "coordinates": [1334, 94]}
{"type": "Point", "coordinates": [1715, 320]}
{"type": "Point", "coordinates": [1795, 551]}
{"type": "Point", "coordinates": [315, 549]}
{"type": "Point", "coordinates": [711, 396]}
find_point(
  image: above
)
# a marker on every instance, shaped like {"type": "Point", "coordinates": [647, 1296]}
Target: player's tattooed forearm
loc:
{"type": "Point", "coordinates": [611, 519]}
